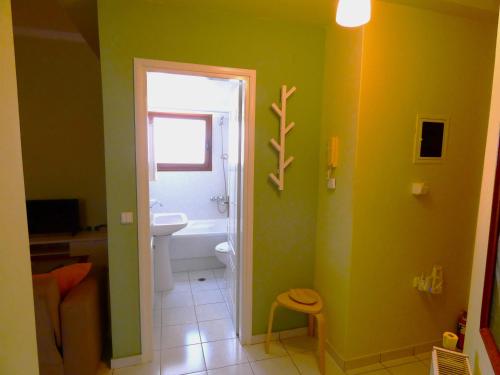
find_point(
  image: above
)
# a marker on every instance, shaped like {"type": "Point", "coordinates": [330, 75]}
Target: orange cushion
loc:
{"type": "Point", "coordinates": [70, 276]}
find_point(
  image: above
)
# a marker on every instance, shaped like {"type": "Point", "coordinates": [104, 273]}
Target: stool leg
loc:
{"type": "Point", "coordinates": [310, 328]}
{"type": "Point", "coordinates": [270, 325]}
{"type": "Point", "coordinates": [320, 318]}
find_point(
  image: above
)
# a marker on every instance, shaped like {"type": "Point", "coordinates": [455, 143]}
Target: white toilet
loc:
{"type": "Point", "coordinates": [222, 252]}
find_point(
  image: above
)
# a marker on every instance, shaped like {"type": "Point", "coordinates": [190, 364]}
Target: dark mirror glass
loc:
{"type": "Point", "coordinates": [432, 139]}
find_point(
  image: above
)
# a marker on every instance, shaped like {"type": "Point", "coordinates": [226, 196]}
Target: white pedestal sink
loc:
{"type": "Point", "coordinates": [162, 227]}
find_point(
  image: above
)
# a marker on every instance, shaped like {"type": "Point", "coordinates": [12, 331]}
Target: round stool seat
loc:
{"type": "Point", "coordinates": [284, 300]}
{"type": "Point", "coordinates": [309, 302]}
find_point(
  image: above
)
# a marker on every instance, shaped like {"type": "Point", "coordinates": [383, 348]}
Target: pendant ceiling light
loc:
{"type": "Point", "coordinates": [353, 13]}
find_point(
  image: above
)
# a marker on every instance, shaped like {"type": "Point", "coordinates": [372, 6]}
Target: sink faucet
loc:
{"type": "Point", "coordinates": [154, 203]}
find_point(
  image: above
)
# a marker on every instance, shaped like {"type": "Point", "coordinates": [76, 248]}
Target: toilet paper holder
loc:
{"type": "Point", "coordinates": [432, 283]}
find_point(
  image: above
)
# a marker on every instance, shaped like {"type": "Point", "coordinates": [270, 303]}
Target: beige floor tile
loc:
{"type": "Point", "coordinates": [204, 297]}
{"type": "Point", "coordinates": [156, 318]}
{"type": "Point", "coordinates": [214, 330]}
{"type": "Point", "coordinates": [396, 354]}
{"type": "Point", "coordinates": [178, 315]}
{"type": "Point", "coordinates": [221, 283]}
{"type": "Point", "coordinates": [257, 352]}
{"type": "Point", "coordinates": [177, 299]}
{"type": "Point", "coordinates": [224, 353]}
{"type": "Point", "coordinates": [206, 274]}
{"type": "Point", "coordinates": [181, 286]}
{"type": "Point", "coordinates": [274, 366]}
{"type": "Point", "coordinates": [213, 311]}
{"type": "Point", "coordinates": [415, 368]}
{"type": "Point", "coordinates": [157, 300]}
{"type": "Point", "coordinates": [181, 276]}
{"type": "Point", "coordinates": [179, 335]}
{"type": "Point", "coordinates": [225, 293]}
{"type": "Point", "coordinates": [152, 368]}
{"type": "Point", "coordinates": [427, 363]}
{"type": "Point", "coordinates": [300, 344]}
{"type": "Point", "coordinates": [156, 338]}
{"type": "Point", "coordinates": [306, 362]}
{"type": "Point", "coordinates": [331, 367]}
{"type": "Point", "coordinates": [399, 361]}
{"type": "Point", "coordinates": [181, 282]}
{"type": "Point", "coordinates": [220, 273]}
{"type": "Point", "coordinates": [243, 369]}
{"type": "Point", "coordinates": [378, 372]}
{"type": "Point", "coordinates": [209, 284]}
{"type": "Point", "coordinates": [182, 360]}
{"type": "Point", "coordinates": [424, 356]}
{"type": "Point", "coordinates": [365, 369]}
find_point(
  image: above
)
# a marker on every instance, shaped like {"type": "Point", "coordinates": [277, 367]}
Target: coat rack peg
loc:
{"type": "Point", "coordinates": [279, 179]}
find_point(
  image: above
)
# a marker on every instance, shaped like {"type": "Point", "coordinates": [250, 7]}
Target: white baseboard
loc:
{"type": "Point", "coordinates": [126, 361]}
{"type": "Point", "coordinates": [353, 363]}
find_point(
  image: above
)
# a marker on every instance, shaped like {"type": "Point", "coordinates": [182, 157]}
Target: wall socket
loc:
{"type": "Point", "coordinates": [127, 217]}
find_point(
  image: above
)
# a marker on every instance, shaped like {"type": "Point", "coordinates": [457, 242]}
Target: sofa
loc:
{"type": "Point", "coordinates": [70, 332]}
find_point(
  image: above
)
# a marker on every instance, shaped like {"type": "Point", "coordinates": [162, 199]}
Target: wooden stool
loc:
{"type": "Point", "coordinates": [313, 310]}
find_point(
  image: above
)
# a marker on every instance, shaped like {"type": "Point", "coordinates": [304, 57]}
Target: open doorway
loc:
{"type": "Point", "coordinates": [194, 150]}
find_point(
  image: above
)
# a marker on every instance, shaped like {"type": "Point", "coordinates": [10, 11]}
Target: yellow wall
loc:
{"type": "Point", "coordinates": [474, 344]}
{"type": "Point", "coordinates": [373, 235]}
{"type": "Point", "coordinates": [17, 322]}
{"type": "Point", "coordinates": [334, 220]}
{"type": "Point", "coordinates": [416, 61]}
{"type": "Point", "coordinates": [61, 123]}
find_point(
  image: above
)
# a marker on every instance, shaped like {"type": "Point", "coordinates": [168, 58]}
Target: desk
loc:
{"type": "Point", "coordinates": [57, 248]}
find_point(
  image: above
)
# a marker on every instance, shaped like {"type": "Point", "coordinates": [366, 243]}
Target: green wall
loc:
{"type": "Point", "coordinates": [17, 317]}
{"type": "Point", "coordinates": [281, 53]}
{"type": "Point", "coordinates": [60, 109]}
{"type": "Point", "coordinates": [335, 218]}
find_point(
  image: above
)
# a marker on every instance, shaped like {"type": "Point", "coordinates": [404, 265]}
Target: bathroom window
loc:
{"type": "Point", "coordinates": [182, 141]}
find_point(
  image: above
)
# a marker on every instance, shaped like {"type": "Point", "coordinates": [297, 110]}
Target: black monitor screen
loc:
{"type": "Point", "coordinates": [53, 216]}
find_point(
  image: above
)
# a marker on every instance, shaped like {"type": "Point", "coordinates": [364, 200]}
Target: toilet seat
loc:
{"type": "Point", "coordinates": [223, 247]}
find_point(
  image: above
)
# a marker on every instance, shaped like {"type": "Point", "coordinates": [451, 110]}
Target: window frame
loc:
{"type": "Point", "coordinates": [206, 166]}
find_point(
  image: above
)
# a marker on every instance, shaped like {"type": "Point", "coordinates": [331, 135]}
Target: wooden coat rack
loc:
{"type": "Point", "coordinates": [279, 179]}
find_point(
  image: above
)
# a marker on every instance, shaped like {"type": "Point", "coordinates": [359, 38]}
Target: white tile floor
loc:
{"type": "Point", "coordinates": [194, 335]}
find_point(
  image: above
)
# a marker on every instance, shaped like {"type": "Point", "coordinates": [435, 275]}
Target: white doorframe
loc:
{"type": "Point", "coordinates": [141, 67]}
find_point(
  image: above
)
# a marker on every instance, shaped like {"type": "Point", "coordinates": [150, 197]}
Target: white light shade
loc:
{"type": "Point", "coordinates": [353, 13]}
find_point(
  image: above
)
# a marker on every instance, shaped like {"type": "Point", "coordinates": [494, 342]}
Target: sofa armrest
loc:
{"type": "Point", "coordinates": [49, 358]}
{"type": "Point", "coordinates": [45, 288]}
{"type": "Point", "coordinates": [81, 326]}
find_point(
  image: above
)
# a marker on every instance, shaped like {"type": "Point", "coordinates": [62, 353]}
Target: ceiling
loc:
{"type": "Point", "coordinates": [80, 16]}
{"type": "Point", "coordinates": [59, 16]}
{"type": "Point", "coordinates": [41, 14]}
{"type": "Point", "coordinates": [321, 12]}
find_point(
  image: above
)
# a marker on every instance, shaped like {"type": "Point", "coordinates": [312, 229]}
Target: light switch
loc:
{"type": "Point", "coordinates": [127, 217]}
{"type": "Point", "coordinates": [419, 188]}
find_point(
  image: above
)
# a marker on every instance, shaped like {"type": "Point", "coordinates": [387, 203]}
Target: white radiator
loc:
{"type": "Point", "coordinates": [447, 362]}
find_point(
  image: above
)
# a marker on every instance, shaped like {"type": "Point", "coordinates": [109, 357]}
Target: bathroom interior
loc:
{"type": "Point", "coordinates": [193, 149]}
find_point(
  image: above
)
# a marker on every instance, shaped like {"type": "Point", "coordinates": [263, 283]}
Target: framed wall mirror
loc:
{"type": "Point", "coordinates": [490, 311]}
{"type": "Point", "coordinates": [430, 139]}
